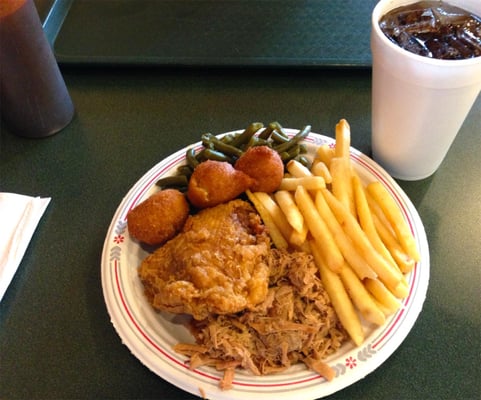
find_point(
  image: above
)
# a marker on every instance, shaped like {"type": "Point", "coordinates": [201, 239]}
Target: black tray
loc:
{"type": "Point", "coordinates": [211, 32]}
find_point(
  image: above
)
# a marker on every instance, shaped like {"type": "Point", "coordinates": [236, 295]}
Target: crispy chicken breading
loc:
{"type": "Point", "coordinates": [217, 264]}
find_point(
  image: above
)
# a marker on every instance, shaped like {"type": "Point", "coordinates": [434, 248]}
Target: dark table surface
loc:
{"type": "Point", "coordinates": [56, 339]}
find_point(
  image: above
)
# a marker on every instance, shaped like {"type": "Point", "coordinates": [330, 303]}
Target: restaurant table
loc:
{"type": "Point", "coordinates": [56, 338]}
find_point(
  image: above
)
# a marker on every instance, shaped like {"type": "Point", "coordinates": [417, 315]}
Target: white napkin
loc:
{"type": "Point", "coordinates": [19, 217]}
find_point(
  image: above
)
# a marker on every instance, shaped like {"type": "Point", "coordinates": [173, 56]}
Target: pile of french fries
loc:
{"type": "Point", "coordinates": [356, 233]}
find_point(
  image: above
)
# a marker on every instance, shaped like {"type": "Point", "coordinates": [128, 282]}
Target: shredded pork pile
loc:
{"type": "Point", "coordinates": [296, 323]}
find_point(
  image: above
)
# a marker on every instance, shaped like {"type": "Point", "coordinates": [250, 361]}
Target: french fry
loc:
{"type": "Point", "coordinates": [308, 182]}
{"type": "Point", "coordinates": [339, 298]}
{"type": "Point", "coordinates": [378, 213]}
{"type": "Point", "coordinates": [276, 213]}
{"type": "Point", "coordinates": [341, 182]}
{"type": "Point", "coordinates": [385, 271]}
{"type": "Point", "coordinates": [300, 244]}
{"type": "Point", "coordinates": [366, 220]}
{"type": "Point", "coordinates": [382, 295]}
{"type": "Point", "coordinates": [383, 308]}
{"type": "Point", "coordinates": [361, 297]}
{"type": "Point", "coordinates": [401, 290]}
{"type": "Point", "coordinates": [343, 241]}
{"type": "Point", "coordinates": [325, 153]}
{"type": "Point", "coordinates": [296, 239]}
{"type": "Point", "coordinates": [286, 202]}
{"type": "Point", "coordinates": [279, 241]}
{"type": "Point", "coordinates": [403, 260]}
{"type": "Point", "coordinates": [305, 247]}
{"type": "Point", "coordinates": [395, 217]}
{"type": "Point", "coordinates": [340, 166]}
{"type": "Point", "coordinates": [319, 230]}
{"type": "Point", "coordinates": [343, 139]}
{"type": "Point", "coordinates": [297, 170]}
{"type": "Point", "coordinates": [319, 168]}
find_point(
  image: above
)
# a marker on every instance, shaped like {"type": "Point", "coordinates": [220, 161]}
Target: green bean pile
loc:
{"type": "Point", "coordinates": [231, 146]}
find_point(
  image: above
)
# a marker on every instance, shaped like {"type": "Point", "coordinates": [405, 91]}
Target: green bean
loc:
{"type": "Point", "coordinates": [245, 136]}
{"type": "Point", "coordinates": [278, 137]}
{"type": "Point", "coordinates": [266, 133]}
{"type": "Point", "coordinates": [215, 144]}
{"type": "Point", "coordinates": [191, 158]}
{"type": "Point", "coordinates": [289, 155]}
{"type": "Point", "coordinates": [176, 181]}
{"type": "Point", "coordinates": [185, 170]}
{"type": "Point", "coordinates": [255, 141]}
{"type": "Point", "coordinates": [303, 148]}
{"type": "Point", "coordinates": [206, 140]}
{"type": "Point", "coordinates": [279, 129]}
{"type": "Point", "coordinates": [228, 138]}
{"type": "Point", "coordinates": [217, 156]}
{"type": "Point", "coordinates": [295, 140]}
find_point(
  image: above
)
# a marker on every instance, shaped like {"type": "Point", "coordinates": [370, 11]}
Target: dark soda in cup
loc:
{"type": "Point", "coordinates": [420, 102]}
{"type": "Point", "coordinates": [434, 29]}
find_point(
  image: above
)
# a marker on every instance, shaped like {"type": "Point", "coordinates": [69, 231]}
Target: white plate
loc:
{"type": "Point", "coordinates": [150, 335]}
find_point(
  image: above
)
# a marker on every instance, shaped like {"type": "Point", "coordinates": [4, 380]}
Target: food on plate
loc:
{"type": "Point", "coordinates": [291, 277]}
{"type": "Point", "coordinates": [340, 167]}
{"type": "Point", "coordinates": [287, 204]}
{"type": "Point", "coordinates": [346, 246]}
{"type": "Point", "coordinates": [159, 217]}
{"type": "Point", "coordinates": [307, 182]}
{"type": "Point", "coordinates": [264, 165]}
{"type": "Point", "coordinates": [340, 298]}
{"type": "Point", "coordinates": [217, 264]}
{"type": "Point", "coordinates": [357, 234]}
{"type": "Point", "coordinates": [267, 216]}
{"type": "Point", "coordinates": [295, 323]}
{"type": "Point", "coordinates": [216, 182]}
{"type": "Point", "coordinates": [230, 147]}
{"type": "Point", "coordinates": [394, 216]}
{"type": "Point", "coordinates": [319, 230]}
{"type": "Point", "coordinates": [282, 233]}
{"type": "Point", "coordinates": [389, 275]}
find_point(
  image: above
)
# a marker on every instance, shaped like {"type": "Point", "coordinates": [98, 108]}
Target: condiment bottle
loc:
{"type": "Point", "coordinates": [34, 100]}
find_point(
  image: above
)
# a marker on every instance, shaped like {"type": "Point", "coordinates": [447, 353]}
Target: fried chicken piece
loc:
{"type": "Point", "coordinates": [216, 182]}
{"type": "Point", "coordinates": [158, 218]}
{"type": "Point", "coordinates": [264, 165]}
{"type": "Point", "coordinates": [217, 264]}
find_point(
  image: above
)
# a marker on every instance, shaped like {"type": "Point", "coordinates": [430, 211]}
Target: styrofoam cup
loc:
{"type": "Point", "coordinates": [418, 103]}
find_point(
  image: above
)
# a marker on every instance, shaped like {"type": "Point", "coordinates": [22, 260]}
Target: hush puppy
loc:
{"type": "Point", "coordinates": [216, 182]}
{"type": "Point", "coordinates": [264, 165]}
{"type": "Point", "coordinates": [158, 218]}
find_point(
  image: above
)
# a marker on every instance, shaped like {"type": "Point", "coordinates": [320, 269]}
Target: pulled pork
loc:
{"type": "Point", "coordinates": [295, 323]}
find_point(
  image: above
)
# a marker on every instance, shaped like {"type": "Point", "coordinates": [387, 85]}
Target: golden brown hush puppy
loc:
{"type": "Point", "coordinates": [264, 165]}
{"type": "Point", "coordinates": [158, 218]}
{"type": "Point", "coordinates": [216, 182]}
